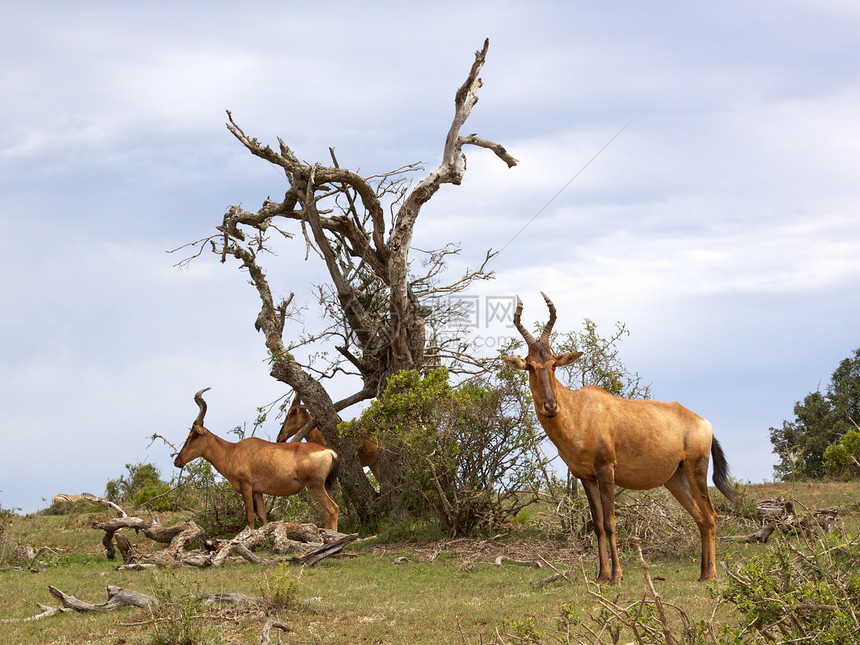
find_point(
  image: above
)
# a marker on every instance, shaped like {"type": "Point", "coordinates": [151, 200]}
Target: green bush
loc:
{"type": "Point", "coordinates": [463, 456]}
{"type": "Point", "coordinates": [842, 459]}
{"type": "Point", "coordinates": [803, 592]}
{"type": "Point", "coordinates": [142, 487]}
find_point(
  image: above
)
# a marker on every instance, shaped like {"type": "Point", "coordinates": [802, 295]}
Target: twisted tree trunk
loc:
{"type": "Point", "coordinates": [379, 319]}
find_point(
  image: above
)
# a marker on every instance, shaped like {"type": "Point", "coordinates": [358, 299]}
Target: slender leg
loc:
{"type": "Point", "coordinates": [606, 485]}
{"type": "Point", "coordinates": [260, 506]}
{"type": "Point", "coordinates": [330, 508]}
{"type": "Point", "coordinates": [248, 498]}
{"type": "Point", "coordinates": [697, 476]}
{"type": "Point", "coordinates": [689, 486]}
{"type": "Point", "coordinates": [592, 494]}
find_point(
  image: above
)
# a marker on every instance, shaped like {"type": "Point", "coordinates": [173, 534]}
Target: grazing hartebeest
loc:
{"type": "Point", "coordinates": [298, 416]}
{"type": "Point", "coordinates": [636, 444]}
{"type": "Point", "coordinates": [254, 467]}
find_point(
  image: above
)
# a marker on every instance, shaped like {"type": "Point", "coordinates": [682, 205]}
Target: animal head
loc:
{"type": "Point", "coordinates": [540, 363]}
{"type": "Point", "coordinates": [196, 441]}
{"type": "Point", "coordinates": [297, 417]}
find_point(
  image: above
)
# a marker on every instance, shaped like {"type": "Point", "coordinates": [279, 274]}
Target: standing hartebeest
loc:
{"type": "Point", "coordinates": [298, 416]}
{"type": "Point", "coordinates": [254, 467]}
{"type": "Point", "coordinates": [636, 444]}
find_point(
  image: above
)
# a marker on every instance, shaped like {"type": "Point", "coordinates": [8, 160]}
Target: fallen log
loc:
{"type": "Point", "coordinates": [229, 599]}
{"type": "Point", "coordinates": [774, 508]}
{"type": "Point", "coordinates": [128, 552]}
{"type": "Point", "coordinates": [526, 563]}
{"type": "Point", "coordinates": [762, 535]}
{"type": "Point", "coordinates": [826, 519]}
{"type": "Point", "coordinates": [315, 555]}
{"type": "Point", "coordinates": [117, 597]}
{"type": "Point", "coordinates": [189, 534]}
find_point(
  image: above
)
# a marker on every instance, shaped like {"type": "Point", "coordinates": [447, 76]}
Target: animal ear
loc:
{"type": "Point", "coordinates": [198, 429]}
{"type": "Point", "coordinates": [566, 359]}
{"type": "Point", "coordinates": [514, 362]}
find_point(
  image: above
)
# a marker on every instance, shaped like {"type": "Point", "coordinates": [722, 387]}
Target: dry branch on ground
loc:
{"type": "Point", "coordinates": [312, 543]}
{"type": "Point", "coordinates": [119, 597]}
{"type": "Point", "coordinates": [778, 511]}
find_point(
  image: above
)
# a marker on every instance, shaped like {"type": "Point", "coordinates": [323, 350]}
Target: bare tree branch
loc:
{"type": "Point", "coordinates": [377, 304]}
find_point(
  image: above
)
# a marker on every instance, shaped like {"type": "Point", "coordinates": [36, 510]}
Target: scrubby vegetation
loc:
{"type": "Point", "coordinates": [452, 590]}
{"type": "Point", "coordinates": [461, 457]}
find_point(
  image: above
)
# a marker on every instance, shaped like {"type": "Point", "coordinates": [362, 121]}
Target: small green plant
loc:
{"type": "Point", "coordinates": [280, 588]}
{"type": "Point", "coordinates": [176, 617]}
{"type": "Point", "coordinates": [524, 630]}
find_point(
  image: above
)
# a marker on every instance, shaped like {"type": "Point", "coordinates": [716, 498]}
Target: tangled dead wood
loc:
{"type": "Point", "coordinates": [312, 543]}
{"type": "Point", "coordinates": [778, 511]}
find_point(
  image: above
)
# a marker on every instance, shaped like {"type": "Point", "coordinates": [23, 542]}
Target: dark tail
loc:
{"type": "Point", "coordinates": [721, 471]}
{"type": "Point", "coordinates": [331, 478]}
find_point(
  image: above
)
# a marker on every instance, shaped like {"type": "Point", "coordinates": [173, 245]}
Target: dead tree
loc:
{"type": "Point", "coordinates": [379, 307]}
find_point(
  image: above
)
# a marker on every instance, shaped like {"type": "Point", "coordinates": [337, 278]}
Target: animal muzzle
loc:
{"type": "Point", "coordinates": [549, 408]}
{"type": "Point", "coordinates": [178, 462]}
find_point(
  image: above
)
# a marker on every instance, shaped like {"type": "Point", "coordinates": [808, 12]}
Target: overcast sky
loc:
{"type": "Point", "coordinates": [721, 225]}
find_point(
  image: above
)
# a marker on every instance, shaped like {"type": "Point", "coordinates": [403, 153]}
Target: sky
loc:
{"type": "Point", "coordinates": [688, 169]}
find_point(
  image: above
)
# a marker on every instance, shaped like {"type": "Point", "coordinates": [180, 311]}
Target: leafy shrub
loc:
{"type": "Point", "coordinates": [804, 592]}
{"type": "Point", "coordinates": [842, 459]}
{"type": "Point", "coordinates": [464, 456]}
{"type": "Point", "coordinates": [142, 487]}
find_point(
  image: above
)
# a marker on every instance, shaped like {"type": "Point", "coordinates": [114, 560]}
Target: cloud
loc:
{"type": "Point", "coordinates": [720, 225]}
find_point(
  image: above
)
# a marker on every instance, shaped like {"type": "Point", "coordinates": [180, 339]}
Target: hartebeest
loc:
{"type": "Point", "coordinates": [254, 467]}
{"type": "Point", "coordinates": [298, 416]}
{"type": "Point", "coordinates": [636, 444]}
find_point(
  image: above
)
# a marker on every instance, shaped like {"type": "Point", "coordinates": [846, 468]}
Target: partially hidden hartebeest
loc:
{"type": "Point", "coordinates": [637, 444]}
{"type": "Point", "coordinates": [298, 416]}
{"type": "Point", "coordinates": [255, 467]}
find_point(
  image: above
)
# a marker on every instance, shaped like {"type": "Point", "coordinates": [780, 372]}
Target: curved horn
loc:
{"type": "Point", "coordinates": [198, 399]}
{"type": "Point", "coordinates": [546, 330]}
{"type": "Point", "coordinates": [519, 325]}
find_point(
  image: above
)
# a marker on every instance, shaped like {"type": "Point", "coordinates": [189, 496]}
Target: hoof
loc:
{"type": "Point", "coordinates": [606, 580]}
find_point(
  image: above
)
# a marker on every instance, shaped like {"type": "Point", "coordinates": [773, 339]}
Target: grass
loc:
{"type": "Point", "coordinates": [447, 591]}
